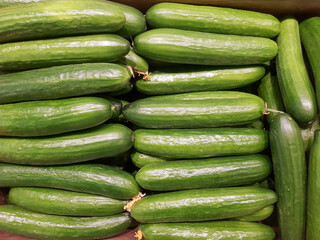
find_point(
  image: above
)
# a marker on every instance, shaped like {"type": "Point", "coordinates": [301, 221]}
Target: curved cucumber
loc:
{"type": "Point", "coordinates": [62, 51]}
{"type": "Point", "coordinates": [43, 226]}
{"type": "Point", "coordinates": [200, 143]}
{"type": "Point", "coordinates": [296, 89]}
{"type": "Point", "coordinates": [260, 215]}
{"type": "Point", "coordinates": [195, 110]}
{"type": "Point", "coordinates": [212, 19]}
{"type": "Point", "coordinates": [290, 176]}
{"type": "Point", "coordinates": [188, 47]}
{"type": "Point", "coordinates": [206, 173]}
{"type": "Point", "coordinates": [87, 178]}
{"type": "Point", "coordinates": [308, 134]}
{"type": "Point", "coordinates": [61, 202]}
{"type": "Point", "coordinates": [202, 204]}
{"type": "Point", "coordinates": [179, 80]}
{"type": "Point", "coordinates": [135, 61]}
{"type": "Point", "coordinates": [102, 141]}
{"type": "Point", "coordinates": [141, 160]}
{"type": "Point", "coordinates": [62, 81]}
{"type": "Point", "coordinates": [222, 230]}
{"type": "Point", "coordinates": [41, 118]}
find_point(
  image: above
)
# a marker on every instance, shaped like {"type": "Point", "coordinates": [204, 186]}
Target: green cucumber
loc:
{"type": "Point", "coordinates": [62, 81]}
{"type": "Point", "coordinates": [41, 118]}
{"type": "Point", "coordinates": [103, 141]}
{"type": "Point", "coordinates": [87, 178]}
{"type": "Point", "coordinates": [195, 110]}
{"type": "Point", "coordinates": [27, 223]}
{"type": "Point", "coordinates": [116, 105]}
{"type": "Point", "coordinates": [308, 134]}
{"type": "Point", "coordinates": [205, 173]}
{"type": "Point", "coordinates": [188, 47]}
{"type": "Point", "coordinates": [200, 143]}
{"type": "Point", "coordinates": [134, 61]}
{"type": "Point", "coordinates": [126, 89]}
{"type": "Point", "coordinates": [289, 167]}
{"type": "Point", "coordinates": [295, 86]}
{"type": "Point", "coordinates": [140, 160]}
{"type": "Point", "coordinates": [120, 118]}
{"type": "Point", "coordinates": [212, 19]}
{"type": "Point", "coordinates": [260, 215]}
{"type": "Point", "coordinates": [61, 202]}
{"type": "Point", "coordinates": [222, 230]}
{"type": "Point", "coordinates": [202, 204]}
{"type": "Point", "coordinates": [62, 51]}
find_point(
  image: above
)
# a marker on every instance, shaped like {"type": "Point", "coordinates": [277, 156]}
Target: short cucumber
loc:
{"type": "Point", "coordinates": [308, 134]}
{"type": "Point", "coordinates": [27, 223]}
{"type": "Point", "coordinates": [62, 51]}
{"type": "Point", "coordinates": [260, 215]}
{"type": "Point", "coordinates": [62, 81]}
{"type": "Point", "coordinates": [61, 202]}
{"type": "Point", "coordinates": [41, 118]}
{"type": "Point", "coordinates": [222, 230]}
{"type": "Point", "coordinates": [195, 110]}
{"type": "Point", "coordinates": [202, 204]}
{"type": "Point", "coordinates": [296, 89]}
{"type": "Point", "coordinates": [103, 141]}
{"type": "Point", "coordinates": [289, 166]}
{"type": "Point", "coordinates": [141, 160]}
{"type": "Point", "coordinates": [134, 61]}
{"type": "Point", "coordinates": [188, 47]}
{"type": "Point", "coordinates": [126, 89]}
{"type": "Point", "coordinates": [200, 143]}
{"type": "Point", "coordinates": [205, 173]}
{"type": "Point", "coordinates": [179, 80]}
{"type": "Point", "coordinates": [87, 178]}
{"type": "Point", "coordinates": [212, 19]}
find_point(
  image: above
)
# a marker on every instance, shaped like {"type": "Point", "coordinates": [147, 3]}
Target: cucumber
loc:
{"type": "Point", "coordinates": [310, 36]}
{"type": "Point", "coordinates": [87, 178]}
{"type": "Point", "coordinates": [136, 62]}
{"type": "Point", "coordinates": [195, 110]}
{"type": "Point", "coordinates": [62, 51]}
{"type": "Point", "coordinates": [296, 89]}
{"type": "Point", "coordinates": [200, 143]}
{"type": "Point", "coordinates": [206, 173]}
{"type": "Point", "coordinates": [188, 47]}
{"type": "Point", "coordinates": [41, 118]}
{"type": "Point", "coordinates": [27, 223]}
{"type": "Point", "coordinates": [126, 89]}
{"type": "Point", "coordinates": [308, 134]}
{"type": "Point", "coordinates": [260, 215]}
{"type": "Point", "coordinates": [116, 105]}
{"type": "Point", "coordinates": [103, 141]}
{"type": "Point", "coordinates": [212, 19]}
{"type": "Point", "coordinates": [222, 230]}
{"type": "Point", "coordinates": [290, 176]}
{"type": "Point", "coordinates": [140, 160]}
{"type": "Point", "coordinates": [202, 204]}
{"type": "Point", "coordinates": [61, 202]}
{"type": "Point", "coordinates": [62, 81]}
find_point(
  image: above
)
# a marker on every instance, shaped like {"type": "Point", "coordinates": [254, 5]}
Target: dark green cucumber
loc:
{"type": "Point", "coordinates": [116, 105]}
{"type": "Point", "coordinates": [141, 160]}
{"type": "Point", "coordinates": [296, 89]}
{"type": "Point", "coordinates": [120, 118]}
{"type": "Point", "coordinates": [195, 110]}
{"type": "Point", "coordinates": [126, 89]}
{"type": "Point", "coordinates": [289, 167]}
{"type": "Point", "coordinates": [103, 141]}
{"type": "Point", "coordinates": [179, 80]}
{"type": "Point", "coordinates": [62, 51]}
{"type": "Point", "coordinates": [222, 230]}
{"type": "Point", "coordinates": [27, 223]}
{"type": "Point", "coordinates": [87, 178]}
{"type": "Point", "coordinates": [202, 204]}
{"type": "Point", "coordinates": [200, 143]}
{"type": "Point", "coordinates": [62, 81]}
{"type": "Point", "coordinates": [61, 202]}
{"type": "Point", "coordinates": [188, 47]}
{"type": "Point", "coordinates": [41, 118]}
{"type": "Point", "coordinates": [206, 173]}
{"type": "Point", "coordinates": [134, 61]}
{"type": "Point", "coordinates": [260, 215]}
{"type": "Point", "coordinates": [212, 19]}
{"type": "Point", "coordinates": [308, 134]}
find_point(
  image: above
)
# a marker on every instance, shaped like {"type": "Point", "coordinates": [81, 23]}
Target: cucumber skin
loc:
{"type": "Point", "coordinates": [200, 143]}
{"type": "Point", "coordinates": [126, 89]}
{"type": "Point", "coordinates": [202, 205]}
{"type": "Point", "coordinates": [87, 178]}
{"type": "Point", "coordinates": [62, 51]}
{"type": "Point", "coordinates": [221, 230]}
{"type": "Point", "coordinates": [188, 47]}
{"type": "Point", "coordinates": [102, 141]}
{"type": "Point", "coordinates": [140, 160]}
{"type": "Point", "coordinates": [179, 80]}
{"type": "Point", "coordinates": [61, 202]}
{"type": "Point", "coordinates": [135, 61]}
{"type": "Point", "coordinates": [194, 110]}
{"type": "Point", "coordinates": [7, 3]}
{"type": "Point", "coordinates": [308, 134]}
{"type": "Point", "coordinates": [290, 176]}
{"type": "Point", "coordinates": [206, 173]}
{"type": "Point", "coordinates": [42, 118]}
{"type": "Point", "coordinates": [295, 86]}
{"type": "Point", "coordinates": [62, 81]}
{"type": "Point", "coordinates": [43, 226]}
{"type": "Point", "coordinates": [260, 215]}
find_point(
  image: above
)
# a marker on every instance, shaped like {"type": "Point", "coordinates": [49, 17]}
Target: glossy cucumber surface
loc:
{"type": "Point", "coordinates": [140, 160]}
